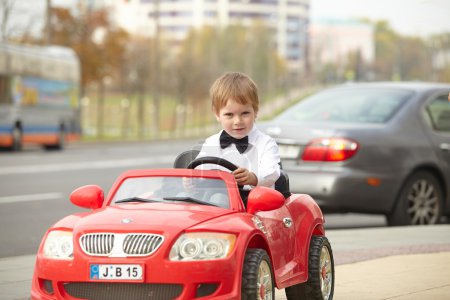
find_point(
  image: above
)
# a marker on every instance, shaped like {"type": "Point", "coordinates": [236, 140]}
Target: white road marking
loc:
{"type": "Point", "coordinates": [30, 197]}
{"type": "Point", "coordinates": [86, 165]}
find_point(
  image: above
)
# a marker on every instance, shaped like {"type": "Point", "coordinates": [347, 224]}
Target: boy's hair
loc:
{"type": "Point", "coordinates": [234, 85]}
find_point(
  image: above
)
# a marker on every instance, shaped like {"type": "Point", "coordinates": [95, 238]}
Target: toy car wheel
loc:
{"type": "Point", "coordinates": [257, 276]}
{"type": "Point", "coordinates": [320, 284]}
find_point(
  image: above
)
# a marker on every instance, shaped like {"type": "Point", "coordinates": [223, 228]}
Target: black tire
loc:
{"type": "Point", "coordinates": [257, 276]}
{"type": "Point", "coordinates": [16, 135]}
{"type": "Point", "coordinates": [320, 284]}
{"type": "Point", "coordinates": [60, 144]}
{"type": "Point", "coordinates": [420, 201]}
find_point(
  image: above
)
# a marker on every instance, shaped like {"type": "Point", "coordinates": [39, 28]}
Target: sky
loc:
{"type": "Point", "coordinates": [408, 17]}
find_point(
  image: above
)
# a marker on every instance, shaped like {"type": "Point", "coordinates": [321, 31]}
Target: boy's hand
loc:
{"type": "Point", "coordinates": [245, 177]}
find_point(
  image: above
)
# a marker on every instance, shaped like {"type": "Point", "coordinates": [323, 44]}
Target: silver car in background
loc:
{"type": "Point", "coordinates": [381, 148]}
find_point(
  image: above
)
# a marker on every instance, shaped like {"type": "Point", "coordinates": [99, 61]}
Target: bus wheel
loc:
{"type": "Point", "coordinates": [59, 145]}
{"type": "Point", "coordinates": [16, 135]}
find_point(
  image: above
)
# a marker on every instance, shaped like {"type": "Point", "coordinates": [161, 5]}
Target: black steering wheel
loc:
{"type": "Point", "coordinates": [216, 161]}
{"type": "Point", "coordinates": [212, 160]}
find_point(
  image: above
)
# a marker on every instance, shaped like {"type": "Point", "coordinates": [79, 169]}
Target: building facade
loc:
{"type": "Point", "coordinates": [288, 19]}
{"type": "Point", "coordinates": [332, 40]}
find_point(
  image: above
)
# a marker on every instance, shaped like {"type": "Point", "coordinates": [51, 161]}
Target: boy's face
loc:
{"type": "Point", "coordinates": [236, 119]}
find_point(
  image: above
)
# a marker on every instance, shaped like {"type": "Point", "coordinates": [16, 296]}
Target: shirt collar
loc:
{"type": "Point", "coordinates": [252, 135]}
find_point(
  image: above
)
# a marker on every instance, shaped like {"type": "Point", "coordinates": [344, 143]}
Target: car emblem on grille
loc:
{"type": "Point", "coordinates": [126, 221]}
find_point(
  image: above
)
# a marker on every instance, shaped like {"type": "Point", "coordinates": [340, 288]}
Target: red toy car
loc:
{"type": "Point", "coordinates": [185, 234]}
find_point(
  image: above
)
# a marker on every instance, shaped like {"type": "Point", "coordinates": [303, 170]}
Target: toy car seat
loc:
{"type": "Point", "coordinates": [183, 159]}
{"type": "Point", "coordinates": [281, 185]}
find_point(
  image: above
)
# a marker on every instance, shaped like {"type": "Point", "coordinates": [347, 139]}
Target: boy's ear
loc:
{"type": "Point", "coordinates": [217, 117]}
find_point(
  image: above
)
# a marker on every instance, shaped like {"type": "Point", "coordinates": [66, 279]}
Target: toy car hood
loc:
{"type": "Point", "coordinates": [139, 217]}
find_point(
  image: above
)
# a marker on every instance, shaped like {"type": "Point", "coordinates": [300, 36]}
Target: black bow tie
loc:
{"type": "Point", "coordinates": [226, 140]}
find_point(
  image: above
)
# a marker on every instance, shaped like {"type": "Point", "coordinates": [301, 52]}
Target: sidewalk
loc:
{"type": "Point", "coordinates": [400, 263]}
{"type": "Point", "coordinates": [400, 277]}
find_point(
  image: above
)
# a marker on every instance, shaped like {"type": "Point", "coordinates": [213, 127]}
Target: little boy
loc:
{"type": "Point", "coordinates": [235, 104]}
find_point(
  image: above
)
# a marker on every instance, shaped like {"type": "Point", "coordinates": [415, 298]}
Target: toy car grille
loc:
{"type": "Point", "coordinates": [141, 244]}
{"type": "Point", "coordinates": [120, 245]}
{"type": "Point", "coordinates": [120, 291]}
{"type": "Point", "coordinates": [97, 244]}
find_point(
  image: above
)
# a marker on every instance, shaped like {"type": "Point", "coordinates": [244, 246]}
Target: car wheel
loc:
{"type": "Point", "coordinates": [419, 203]}
{"type": "Point", "coordinates": [257, 276]}
{"type": "Point", "coordinates": [320, 284]}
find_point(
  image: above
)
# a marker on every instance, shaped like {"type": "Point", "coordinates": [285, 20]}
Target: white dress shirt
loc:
{"type": "Point", "coordinates": [261, 157]}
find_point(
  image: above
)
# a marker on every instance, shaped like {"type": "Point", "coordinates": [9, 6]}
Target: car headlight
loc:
{"type": "Point", "coordinates": [59, 245]}
{"type": "Point", "coordinates": [202, 246]}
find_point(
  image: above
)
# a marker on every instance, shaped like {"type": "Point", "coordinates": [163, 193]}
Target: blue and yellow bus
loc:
{"type": "Point", "coordinates": [39, 100]}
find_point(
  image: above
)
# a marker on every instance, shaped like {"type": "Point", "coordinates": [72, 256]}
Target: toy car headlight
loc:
{"type": "Point", "coordinates": [202, 246]}
{"type": "Point", "coordinates": [59, 245]}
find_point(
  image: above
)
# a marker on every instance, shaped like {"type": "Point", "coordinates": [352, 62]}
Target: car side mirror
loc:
{"type": "Point", "coordinates": [88, 196]}
{"type": "Point", "coordinates": [262, 198]}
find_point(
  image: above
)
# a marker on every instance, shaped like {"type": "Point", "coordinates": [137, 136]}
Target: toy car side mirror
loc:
{"type": "Point", "coordinates": [88, 196]}
{"type": "Point", "coordinates": [264, 199]}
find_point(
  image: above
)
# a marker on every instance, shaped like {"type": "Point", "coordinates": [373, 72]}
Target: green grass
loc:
{"type": "Point", "coordinates": [122, 122]}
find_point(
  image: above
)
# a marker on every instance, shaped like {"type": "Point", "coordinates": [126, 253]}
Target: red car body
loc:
{"type": "Point", "coordinates": [263, 224]}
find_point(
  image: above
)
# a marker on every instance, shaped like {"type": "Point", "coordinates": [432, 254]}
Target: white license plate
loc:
{"type": "Point", "coordinates": [289, 151]}
{"type": "Point", "coordinates": [115, 272]}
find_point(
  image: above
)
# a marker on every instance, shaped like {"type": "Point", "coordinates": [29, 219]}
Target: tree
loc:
{"type": "Point", "coordinates": [6, 8]}
{"type": "Point", "coordinates": [414, 61]}
{"type": "Point", "coordinates": [399, 57]}
{"type": "Point", "coordinates": [136, 76]}
{"type": "Point", "coordinates": [386, 52]}
{"type": "Point", "coordinates": [13, 31]}
{"type": "Point", "coordinates": [439, 49]}
{"type": "Point", "coordinates": [98, 43]}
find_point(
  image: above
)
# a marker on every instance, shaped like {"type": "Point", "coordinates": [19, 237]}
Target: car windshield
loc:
{"type": "Point", "coordinates": [349, 105]}
{"type": "Point", "coordinates": [173, 189]}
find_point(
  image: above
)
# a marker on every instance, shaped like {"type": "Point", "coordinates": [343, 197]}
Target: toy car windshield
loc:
{"type": "Point", "coordinates": [173, 189]}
